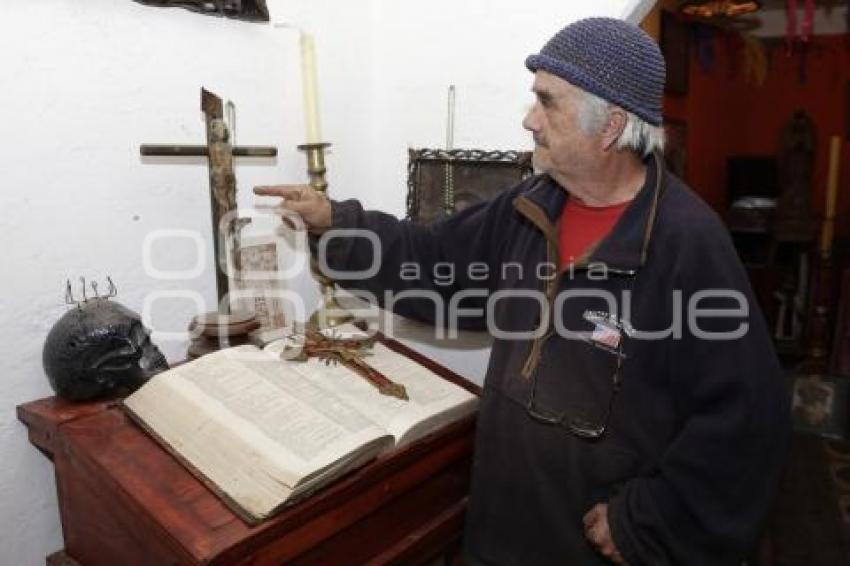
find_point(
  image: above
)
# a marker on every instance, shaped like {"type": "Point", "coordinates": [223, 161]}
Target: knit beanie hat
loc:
{"type": "Point", "coordinates": [610, 58]}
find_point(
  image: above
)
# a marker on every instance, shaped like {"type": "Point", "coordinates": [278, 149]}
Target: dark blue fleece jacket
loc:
{"type": "Point", "coordinates": [698, 426]}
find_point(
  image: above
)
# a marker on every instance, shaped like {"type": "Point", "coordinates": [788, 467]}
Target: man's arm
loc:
{"type": "Point", "coordinates": [422, 267]}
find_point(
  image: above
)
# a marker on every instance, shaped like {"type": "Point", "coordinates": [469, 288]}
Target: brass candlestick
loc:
{"type": "Point", "coordinates": [329, 313]}
{"type": "Point", "coordinates": [316, 165]}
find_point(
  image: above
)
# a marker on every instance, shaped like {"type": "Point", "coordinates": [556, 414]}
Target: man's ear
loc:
{"type": "Point", "coordinates": [615, 123]}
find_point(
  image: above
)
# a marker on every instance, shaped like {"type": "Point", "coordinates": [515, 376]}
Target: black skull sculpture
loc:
{"type": "Point", "coordinates": [99, 348]}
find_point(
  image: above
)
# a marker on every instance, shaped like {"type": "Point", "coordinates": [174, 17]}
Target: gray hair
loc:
{"type": "Point", "coordinates": [639, 136]}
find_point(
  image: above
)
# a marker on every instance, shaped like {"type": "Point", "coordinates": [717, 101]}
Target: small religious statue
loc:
{"type": "Point", "coordinates": [223, 180]}
{"type": "Point", "coordinates": [794, 226]}
{"type": "Point", "coordinates": [796, 163]}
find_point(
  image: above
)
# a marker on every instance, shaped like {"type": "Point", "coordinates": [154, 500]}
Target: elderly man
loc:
{"type": "Point", "coordinates": [633, 409]}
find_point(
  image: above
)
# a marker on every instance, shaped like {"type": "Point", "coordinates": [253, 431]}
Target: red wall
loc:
{"type": "Point", "coordinates": [726, 115]}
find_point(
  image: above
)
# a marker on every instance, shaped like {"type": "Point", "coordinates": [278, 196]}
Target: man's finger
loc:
{"type": "Point", "coordinates": [596, 534]}
{"type": "Point", "coordinates": [283, 191]}
{"type": "Point", "coordinates": [591, 516]}
{"type": "Point", "coordinates": [296, 206]}
{"type": "Point", "coordinates": [286, 206]}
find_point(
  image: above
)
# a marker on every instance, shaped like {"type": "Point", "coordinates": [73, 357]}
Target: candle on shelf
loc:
{"type": "Point", "coordinates": [310, 88]}
{"type": "Point", "coordinates": [831, 194]}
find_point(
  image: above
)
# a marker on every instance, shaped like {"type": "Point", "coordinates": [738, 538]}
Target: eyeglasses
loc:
{"type": "Point", "coordinates": [578, 426]}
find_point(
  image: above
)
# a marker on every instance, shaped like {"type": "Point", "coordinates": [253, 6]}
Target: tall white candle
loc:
{"type": "Point", "coordinates": [310, 88]}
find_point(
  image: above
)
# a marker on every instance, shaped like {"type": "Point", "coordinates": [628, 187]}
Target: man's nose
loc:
{"type": "Point", "coordinates": [530, 122]}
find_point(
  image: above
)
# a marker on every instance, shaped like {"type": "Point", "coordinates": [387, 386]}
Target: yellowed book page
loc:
{"type": "Point", "coordinates": [433, 401]}
{"type": "Point", "coordinates": [295, 427]}
{"type": "Point", "coordinates": [350, 462]}
{"type": "Point", "coordinates": [240, 471]}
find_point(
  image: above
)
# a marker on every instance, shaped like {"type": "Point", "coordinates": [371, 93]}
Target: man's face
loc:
{"type": "Point", "coordinates": [561, 147]}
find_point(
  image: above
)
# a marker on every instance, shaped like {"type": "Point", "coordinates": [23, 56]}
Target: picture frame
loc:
{"type": "Point", "coordinates": [442, 182]}
{"type": "Point", "coordinates": [819, 405]}
{"type": "Point", "coordinates": [255, 282]}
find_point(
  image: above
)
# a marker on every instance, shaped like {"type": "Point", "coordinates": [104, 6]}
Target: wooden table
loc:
{"type": "Point", "coordinates": [124, 500]}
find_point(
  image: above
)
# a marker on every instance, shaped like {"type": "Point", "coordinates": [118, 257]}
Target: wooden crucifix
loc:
{"type": "Point", "coordinates": [220, 153]}
{"type": "Point", "coordinates": [350, 353]}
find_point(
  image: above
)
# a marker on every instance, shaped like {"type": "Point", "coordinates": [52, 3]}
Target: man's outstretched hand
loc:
{"type": "Point", "coordinates": [598, 532]}
{"type": "Point", "coordinates": [313, 207]}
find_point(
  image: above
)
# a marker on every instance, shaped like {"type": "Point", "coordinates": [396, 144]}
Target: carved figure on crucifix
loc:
{"type": "Point", "coordinates": [223, 179]}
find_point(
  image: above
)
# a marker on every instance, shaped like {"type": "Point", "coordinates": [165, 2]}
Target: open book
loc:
{"type": "Point", "coordinates": [262, 432]}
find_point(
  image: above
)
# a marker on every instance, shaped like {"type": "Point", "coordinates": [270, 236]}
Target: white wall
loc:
{"type": "Point", "coordinates": [84, 83]}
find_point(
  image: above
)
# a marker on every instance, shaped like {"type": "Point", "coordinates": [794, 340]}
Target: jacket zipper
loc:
{"type": "Point", "coordinates": [536, 349]}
